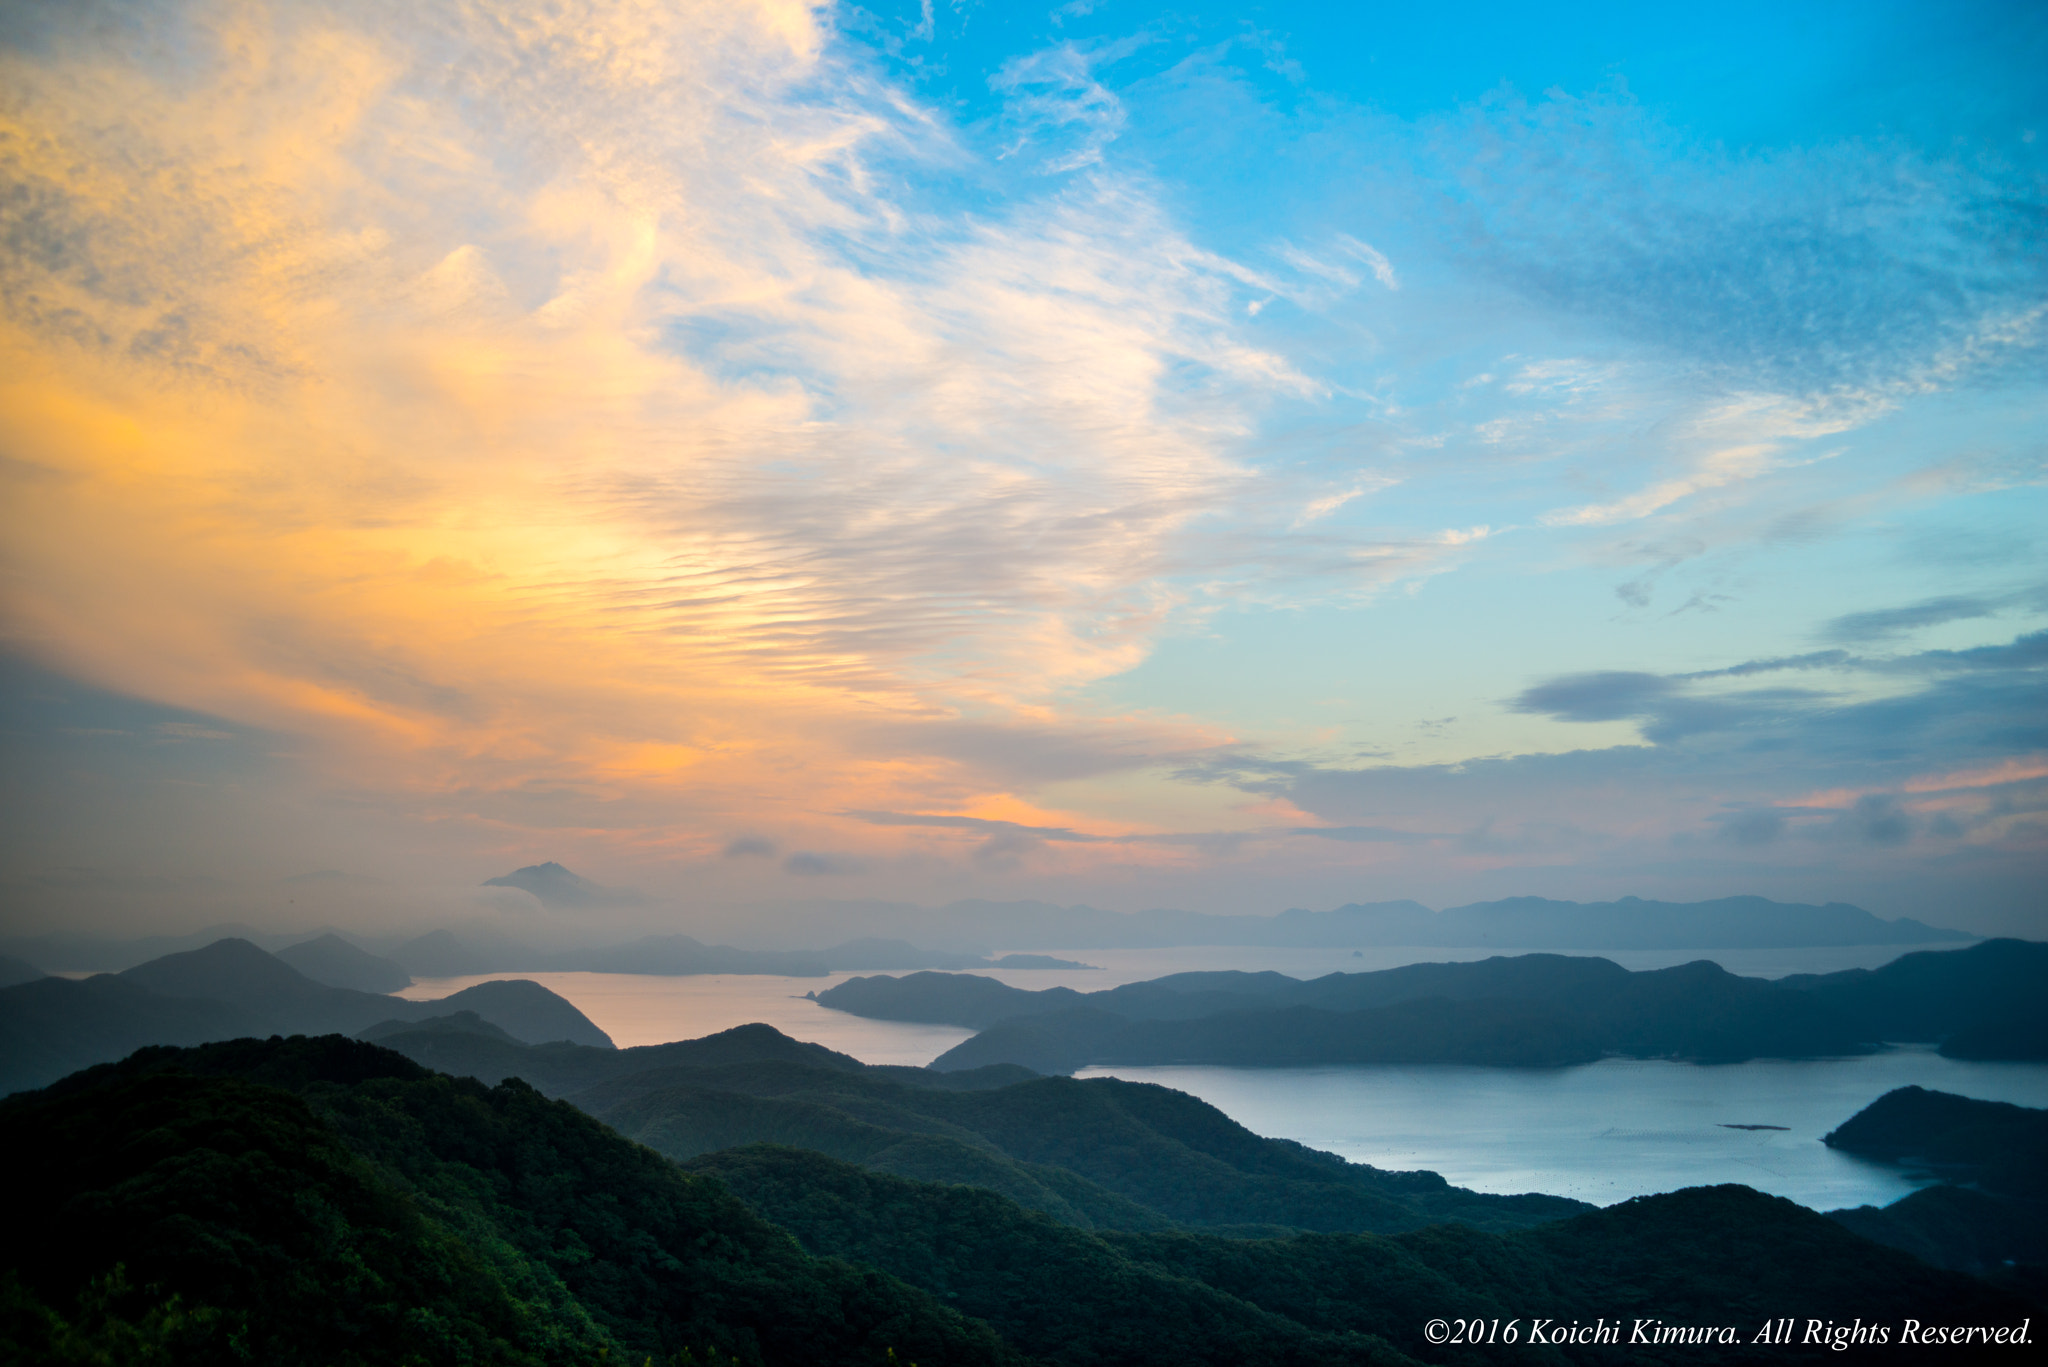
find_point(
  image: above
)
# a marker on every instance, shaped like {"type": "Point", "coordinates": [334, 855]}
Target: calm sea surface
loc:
{"type": "Point", "coordinates": [1605, 1131]}
{"type": "Point", "coordinates": [1602, 1132]}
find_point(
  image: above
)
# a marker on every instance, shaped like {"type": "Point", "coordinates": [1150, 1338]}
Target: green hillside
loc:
{"type": "Point", "coordinates": [1099, 1153]}
{"type": "Point", "coordinates": [325, 1201]}
{"type": "Point", "coordinates": [1707, 1256]}
{"type": "Point", "coordinates": [328, 1201]}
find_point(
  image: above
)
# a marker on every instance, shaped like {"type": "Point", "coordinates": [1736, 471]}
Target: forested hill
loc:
{"type": "Point", "coordinates": [1723, 1255]}
{"type": "Point", "coordinates": [1096, 1154]}
{"type": "Point", "coordinates": [1990, 1208]}
{"type": "Point", "coordinates": [324, 1201]}
{"type": "Point", "coordinates": [1541, 1010]}
{"type": "Point", "coordinates": [1990, 1144]}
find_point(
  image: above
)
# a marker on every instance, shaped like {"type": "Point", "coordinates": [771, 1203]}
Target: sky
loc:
{"type": "Point", "coordinates": [1225, 456]}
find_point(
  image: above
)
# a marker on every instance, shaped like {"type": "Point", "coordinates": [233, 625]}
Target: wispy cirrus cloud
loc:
{"type": "Point", "coordinates": [470, 347]}
{"type": "Point", "coordinates": [655, 430]}
{"type": "Point", "coordinates": [1734, 259]}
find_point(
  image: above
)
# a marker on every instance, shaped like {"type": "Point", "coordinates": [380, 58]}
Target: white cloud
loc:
{"type": "Point", "coordinates": [1382, 269]}
{"type": "Point", "coordinates": [1744, 438]}
{"type": "Point", "coordinates": [1057, 107]}
{"type": "Point", "coordinates": [1323, 505]}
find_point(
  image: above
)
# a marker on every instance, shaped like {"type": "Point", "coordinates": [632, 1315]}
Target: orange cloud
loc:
{"type": "Point", "coordinates": [2017, 770]}
{"type": "Point", "coordinates": [357, 401]}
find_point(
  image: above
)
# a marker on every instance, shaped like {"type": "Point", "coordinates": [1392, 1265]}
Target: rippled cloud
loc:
{"type": "Point", "coordinates": [670, 435]}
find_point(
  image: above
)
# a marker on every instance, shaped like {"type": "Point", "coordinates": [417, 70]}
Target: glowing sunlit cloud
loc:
{"type": "Point", "coordinates": [446, 385]}
{"type": "Point", "coordinates": [653, 426]}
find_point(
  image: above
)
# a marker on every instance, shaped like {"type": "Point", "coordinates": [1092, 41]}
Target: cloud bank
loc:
{"type": "Point", "coordinates": [657, 438]}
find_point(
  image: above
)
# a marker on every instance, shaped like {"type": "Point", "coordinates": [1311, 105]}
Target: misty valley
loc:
{"type": "Point", "coordinates": [312, 1155]}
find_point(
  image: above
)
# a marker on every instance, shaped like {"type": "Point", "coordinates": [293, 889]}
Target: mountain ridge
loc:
{"type": "Point", "coordinates": [1540, 1010]}
{"type": "Point", "coordinates": [335, 962]}
{"type": "Point", "coordinates": [53, 1026]}
{"type": "Point", "coordinates": [888, 935]}
{"type": "Point", "coordinates": [1740, 922]}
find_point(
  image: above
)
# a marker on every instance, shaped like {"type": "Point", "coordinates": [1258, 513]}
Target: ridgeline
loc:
{"type": "Point", "coordinates": [1533, 1010]}
{"type": "Point", "coordinates": [328, 1201]}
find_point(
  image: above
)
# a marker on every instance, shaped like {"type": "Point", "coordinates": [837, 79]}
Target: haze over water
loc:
{"type": "Point", "coordinates": [1601, 1132]}
{"type": "Point", "coordinates": [636, 1008]}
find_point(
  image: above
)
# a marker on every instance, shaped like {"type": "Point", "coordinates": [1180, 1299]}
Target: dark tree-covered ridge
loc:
{"type": "Point", "coordinates": [1716, 1256]}
{"type": "Point", "coordinates": [1989, 1210]}
{"type": "Point", "coordinates": [1100, 1153]}
{"type": "Point", "coordinates": [326, 1201]}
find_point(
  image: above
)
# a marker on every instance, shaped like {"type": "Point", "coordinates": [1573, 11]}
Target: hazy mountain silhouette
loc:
{"type": "Point", "coordinates": [13, 970]}
{"type": "Point", "coordinates": [231, 988]}
{"type": "Point", "coordinates": [560, 890]}
{"type": "Point", "coordinates": [54, 1026]}
{"type": "Point", "coordinates": [1512, 923]}
{"type": "Point", "coordinates": [239, 974]}
{"type": "Point", "coordinates": [2013, 1035]}
{"type": "Point", "coordinates": [71, 951]}
{"type": "Point", "coordinates": [869, 953]}
{"type": "Point", "coordinates": [477, 949]}
{"type": "Point", "coordinates": [1541, 1010]}
{"type": "Point", "coordinates": [1630, 923]}
{"type": "Point", "coordinates": [1982, 1002]}
{"type": "Point", "coordinates": [447, 954]}
{"type": "Point", "coordinates": [337, 963]}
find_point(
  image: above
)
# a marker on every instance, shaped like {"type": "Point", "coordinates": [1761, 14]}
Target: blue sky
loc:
{"type": "Point", "coordinates": [1232, 456]}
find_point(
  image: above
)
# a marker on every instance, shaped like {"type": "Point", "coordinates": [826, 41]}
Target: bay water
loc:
{"type": "Point", "coordinates": [1600, 1132]}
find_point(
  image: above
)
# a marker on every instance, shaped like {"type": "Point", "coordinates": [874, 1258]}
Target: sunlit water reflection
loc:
{"type": "Point", "coordinates": [639, 1008]}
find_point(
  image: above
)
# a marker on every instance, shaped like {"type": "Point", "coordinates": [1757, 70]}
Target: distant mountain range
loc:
{"type": "Point", "coordinates": [50, 1026]}
{"type": "Point", "coordinates": [1537, 1010]}
{"type": "Point", "coordinates": [53, 1026]}
{"type": "Point", "coordinates": [339, 962]}
{"type": "Point", "coordinates": [445, 954]}
{"type": "Point", "coordinates": [890, 934]}
{"type": "Point", "coordinates": [1631, 923]}
{"type": "Point", "coordinates": [1514, 923]}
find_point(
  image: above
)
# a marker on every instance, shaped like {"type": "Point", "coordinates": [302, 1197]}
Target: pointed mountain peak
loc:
{"type": "Point", "coordinates": [558, 889]}
{"type": "Point", "coordinates": [226, 970]}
